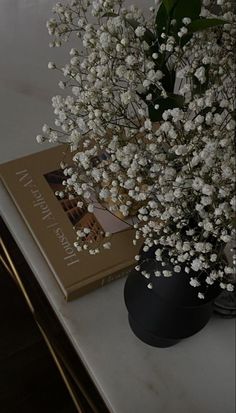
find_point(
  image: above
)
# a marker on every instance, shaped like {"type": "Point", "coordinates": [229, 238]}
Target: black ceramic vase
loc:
{"type": "Point", "coordinates": [168, 312]}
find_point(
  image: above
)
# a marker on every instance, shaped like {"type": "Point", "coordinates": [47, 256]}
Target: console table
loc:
{"type": "Point", "coordinates": [198, 374]}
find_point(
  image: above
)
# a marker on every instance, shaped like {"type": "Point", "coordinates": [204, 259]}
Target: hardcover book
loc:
{"type": "Point", "coordinates": [34, 183]}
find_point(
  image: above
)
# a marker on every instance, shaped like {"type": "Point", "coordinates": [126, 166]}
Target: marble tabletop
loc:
{"type": "Point", "coordinates": [198, 374]}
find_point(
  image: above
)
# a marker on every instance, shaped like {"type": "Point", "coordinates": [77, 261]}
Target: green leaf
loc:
{"type": "Point", "coordinates": [201, 24]}
{"type": "Point", "coordinates": [176, 9]}
{"type": "Point", "coordinates": [185, 39]}
{"type": "Point", "coordinates": [169, 4]}
{"type": "Point", "coordinates": [186, 8]}
{"type": "Point", "coordinates": [149, 37]}
{"type": "Point", "coordinates": [171, 102]}
{"type": "Point", "coordinates": [200, 88]}
{"type": "Point", "coordinates": [161, 20]}
{"type": "Point", "coordinates": [168, 81]}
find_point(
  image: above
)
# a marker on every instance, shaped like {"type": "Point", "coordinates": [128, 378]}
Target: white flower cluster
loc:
{"type": "Point", "coordinates": [176, 175]}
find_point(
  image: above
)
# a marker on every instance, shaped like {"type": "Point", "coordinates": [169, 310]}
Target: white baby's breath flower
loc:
{"type": "Point", "coordinates": [225, 238]}
{"type": "Point", "coordinates": [200, 74]}
{"type": "Point", "coordinates": [105, 39]}
{"type": "Point", "coordinates": [145, 274]}
{"type": "Point", "coordinates": [186, 20]}
{"type": "Point", "coordinates": [230, 287]}
{"type": "Point", "coordinates": [167, 273]}
{"type": "Point", "coordinates": [126, 97]}
{"type": "Point", "coordinates": [194, 282]}
{"type": "Point", "coordinates": [156, 154]}
{"type": "Point", "coordinates": [90, 208]}
{"type": "Point", "coordinates": [209, 280]}
{"type": "Point", "coordinates": [228, 270]}
{"type": "Point", "coordinates": [51, 65]}
{"type": "Point", "coordinates": [130, 60]}
{"type": "Point", "coordinates": [40, 139]}
{"type": "Point", "coordinates": [140, 31]}
{"type": "Point", "coordinates": [149, 96]}
{"type": "Point", "coordinates": [159, 74]}
{"type": "Point", "coordinates": [148, 124]}
{"type": "Point", "coordinates": [207, 189]}
{"type": "Point", "coordinates": [213, 257]}
{"type": "Point", "coordinates": [45, 128]}
{"type": "Point", "coordinates": [196, 264]}
{"type": "Point", "coordinates": [107, 245]}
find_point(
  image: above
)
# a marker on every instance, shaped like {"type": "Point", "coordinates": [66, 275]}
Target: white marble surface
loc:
{"type": "Point", "coordinates": [195, 376]}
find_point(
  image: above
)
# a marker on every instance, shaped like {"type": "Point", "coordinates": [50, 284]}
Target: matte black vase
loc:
{"type": "Point", "coordinates": [168, 312]}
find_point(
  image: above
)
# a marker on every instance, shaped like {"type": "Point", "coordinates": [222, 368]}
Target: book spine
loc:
{"type": "Point", "coordinates": [72, 294]}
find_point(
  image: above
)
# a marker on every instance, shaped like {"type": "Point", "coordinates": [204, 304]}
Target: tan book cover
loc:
{"type": "Point", "coordinates": [32, 182]}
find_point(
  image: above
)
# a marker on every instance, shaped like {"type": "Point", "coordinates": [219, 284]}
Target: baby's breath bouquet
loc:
{"type": "Point", "coordinates": [148, 112]}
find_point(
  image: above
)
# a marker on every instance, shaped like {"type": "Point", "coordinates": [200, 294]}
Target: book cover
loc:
{"type": "Point", "coordinates": [34, 183]}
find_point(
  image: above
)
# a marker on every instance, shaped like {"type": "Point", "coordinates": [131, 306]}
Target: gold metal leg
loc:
{"type": "Point", "coordinates": [15, 275]}
{"type": "Point", "coordinates": [10, 267]}
{"type": "Point", "coordinates": [4, 262]}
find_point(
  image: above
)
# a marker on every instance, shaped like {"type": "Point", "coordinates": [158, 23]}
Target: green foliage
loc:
{"type": "Point", "coordinates": [176, 10]}
{"type": "Point", "coordinates": [169, 4]}
{"type": "Point", "coordinates": [186, 8]}
{"type": "Point", "coordinates": [168, 81]}
{"type": "Point", "coordinates": [162, 20]}
{"type": "Point", "coordinates": [202, 24]}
